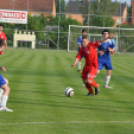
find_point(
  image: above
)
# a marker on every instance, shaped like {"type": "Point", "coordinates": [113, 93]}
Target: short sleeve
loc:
{"type": "Point", "coordinates": [79, 40]}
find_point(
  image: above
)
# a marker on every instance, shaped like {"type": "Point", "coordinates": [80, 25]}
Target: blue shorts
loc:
{"type": "Point", "coordinates": [104, 63]}
{"type": "Point", "coordinates": [2, 81]}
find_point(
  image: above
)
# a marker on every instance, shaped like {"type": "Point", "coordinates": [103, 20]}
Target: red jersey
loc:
{"type": "Point", "coordinates": [3, 36]}
{"type": "Point", "coordinates": [90, 55]}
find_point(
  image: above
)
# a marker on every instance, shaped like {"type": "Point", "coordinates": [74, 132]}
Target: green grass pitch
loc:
{"type": "Point", "coordinates": [38, 79]}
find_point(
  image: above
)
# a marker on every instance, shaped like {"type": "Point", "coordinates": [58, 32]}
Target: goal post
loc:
{"type": "Point", "coordinates": [124, 37]}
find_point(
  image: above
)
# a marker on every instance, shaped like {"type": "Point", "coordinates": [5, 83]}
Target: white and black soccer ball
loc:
{"type": "Point", "coordinates": [69, 91]}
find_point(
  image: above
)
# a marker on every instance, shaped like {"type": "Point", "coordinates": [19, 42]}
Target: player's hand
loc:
{"type": "Point", "coordinates": [101, 53]}
{"type": "Point", "coordinates": [3, 68]}
{"type": "Point", "coordinates": [111, 36]}
{"type": "Point", "coordinates": [110, 49]}
{"type": "Point", "coordinates": [73, 65]}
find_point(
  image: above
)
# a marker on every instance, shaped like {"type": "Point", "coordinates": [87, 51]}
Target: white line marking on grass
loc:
{"type": "Point", "coordinates": [66, 122]}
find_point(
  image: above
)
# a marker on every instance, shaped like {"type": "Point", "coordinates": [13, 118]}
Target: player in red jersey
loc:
{"type": "Point", "coordinates": [3, 36]}
{"type": "Point", "coordinates": [89, 71]}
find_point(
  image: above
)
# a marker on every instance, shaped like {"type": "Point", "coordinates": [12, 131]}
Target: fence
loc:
{"type": "Point", "coordinates": [52, 27]}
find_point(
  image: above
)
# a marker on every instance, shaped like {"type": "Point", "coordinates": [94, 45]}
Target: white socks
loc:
{"type": "Point", "coordinates": [79, 66]}
{"type": "Point", "coordinates": [107, 79]}
{"type": "Point", "coordinates": [4, 99]}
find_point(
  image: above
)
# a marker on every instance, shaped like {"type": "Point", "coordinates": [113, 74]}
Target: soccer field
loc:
{"type": "Point", "coordinates": [38, 78]}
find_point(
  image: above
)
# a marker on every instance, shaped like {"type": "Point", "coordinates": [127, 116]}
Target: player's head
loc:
{"type": "Point", "coordinates": [105, 33]}
{"type": "Point", "coordinates": [84, 40]}
{"type": "Point", "coordinates": [1, 27]}
{"type": "Point", "coordinates": [84, 31]}
{"type": "Point", "coordinates": [2, 42]}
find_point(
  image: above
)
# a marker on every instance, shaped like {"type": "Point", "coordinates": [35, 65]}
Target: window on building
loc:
{"type": "Point", "coordinates": [35, 15]}
{"type": "Point", "coordinates": [118, 21]}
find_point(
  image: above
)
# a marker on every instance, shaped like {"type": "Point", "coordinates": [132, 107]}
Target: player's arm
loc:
{"type": "Point", "coordinates": [111, 48]}
{"type": "Point", "coordinates": [6, 45]}
{"type": "Point", "coordinates": [79, 42]}
{"type": "Point", "coordinates": [79, 45]}
{"type": "Point", "coordinates": [5, 38]}
{"type": "Point", "coordinates": [3, 68]}
{"type": "Point", "coordinates": [98, 42]}
{"type": "Point", "coordinates": [78, 56]}
{"type": "Point", "coordinates": [75, 62]}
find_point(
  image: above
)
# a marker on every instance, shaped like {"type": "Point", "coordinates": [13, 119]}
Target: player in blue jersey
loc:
{"type": "Point", "coordinates": [104, 59]}
{"type": "Point", "coordinates": [79, 43]}
{"type": "Point", "coordinates": [4, 85]}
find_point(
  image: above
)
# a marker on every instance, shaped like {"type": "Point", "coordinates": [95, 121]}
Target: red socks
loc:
{"type": "Point", "coordinates": [88, 86]}
{"type": "Point", "coordinates": [94, 84]}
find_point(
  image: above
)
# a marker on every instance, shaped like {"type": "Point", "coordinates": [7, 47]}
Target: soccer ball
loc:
{"type": "Point", "coordinates": [69, 91]}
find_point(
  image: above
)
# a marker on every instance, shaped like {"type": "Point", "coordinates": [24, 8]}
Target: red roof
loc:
{"type": "Point", "coordinates": [30, 5]}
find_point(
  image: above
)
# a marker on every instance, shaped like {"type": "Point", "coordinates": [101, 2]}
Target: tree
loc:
{"type": "Point", "coordinates": [93, 12]}
{"type": "Point", "coordinates": [60, 6]}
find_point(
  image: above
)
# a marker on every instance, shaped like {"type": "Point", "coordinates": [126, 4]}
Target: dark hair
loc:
{"type": "Point", "coordinates": [1, 25]}
{"type": "Point", "coordinates": [84, 36]}
{"type": "Point", "coordinates": [84, 30]}
{"type": "Point", "coordinates": [2, 42]}
{"type": "Point", "coordinates": [105, 30]}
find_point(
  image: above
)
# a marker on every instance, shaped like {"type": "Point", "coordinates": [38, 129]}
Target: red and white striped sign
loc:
{"type": "Point", "coordinates": [19, 17]}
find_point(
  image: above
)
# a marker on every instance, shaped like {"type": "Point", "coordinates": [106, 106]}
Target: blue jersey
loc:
{"type": "Point", "coordinates": [105, 60]}
{"type": "Point", "coordinates": [79, 41]}
{"type": "Point", "coordinates": [104, 47]}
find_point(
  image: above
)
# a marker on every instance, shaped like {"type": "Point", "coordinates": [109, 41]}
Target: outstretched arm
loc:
{"type": "Point", "coordinates": [78, 56]}
{"type": "Point", "coordinates": [110, 37]}
{"type": "Point", "coordinates": [75, 62]}
{"type": "Point", "coordinates": [6, 45]}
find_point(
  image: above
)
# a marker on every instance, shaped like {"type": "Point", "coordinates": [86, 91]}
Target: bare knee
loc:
{"type": "Point", "coordinates": [98, 71]}
{"type": "Point", "coordinates": [6, 81]}
{"type": "Point", "coordinates": [109, 72]}
{"type": "Point", "coordinates": [87, 81]}
{"type": "Point", "coordinates": [6, 89]}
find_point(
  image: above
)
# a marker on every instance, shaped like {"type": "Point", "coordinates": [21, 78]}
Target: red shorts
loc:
{"type": "Point", "coordinates": [89, 74]}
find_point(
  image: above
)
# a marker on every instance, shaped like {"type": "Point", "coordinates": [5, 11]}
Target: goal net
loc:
{"type": "Point", "coordinates": [124, 37]}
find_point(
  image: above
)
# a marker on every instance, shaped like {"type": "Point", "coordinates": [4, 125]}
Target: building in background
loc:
{"type": "Point", "coordinates": [73, 10]}
{"type": "Point", "coordinates": [132, 11]}
{"type": "Point", "coordinates": [120, 16]}
{"type": "Point", "coordinates": [34, 7]}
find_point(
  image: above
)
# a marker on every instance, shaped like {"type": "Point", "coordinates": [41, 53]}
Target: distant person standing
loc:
{"type": "Point", "coordinates": [3, 36]}
{"type": "Point", "coordinates": [79, 43]}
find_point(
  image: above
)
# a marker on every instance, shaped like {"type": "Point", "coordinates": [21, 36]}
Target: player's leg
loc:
{"type": "Point", "coordinates": [79, 65]}
{"type": "Point", "coordinates": [90, 80]}
{"type": "Point", "coordinates": [100, 66]}
{"type": "Point", "coordinates": [4, 98]}
{"type": "Point", "coordinates": [88, 86]}
{"type": "Point", "coordinates": [1, 90]}
{"type": "Point", "coordinates": [109, 69]}
{"type": "Point", "coordinates": [95, 85]}
{"type": "Point", "coordinates": [98, 71]}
